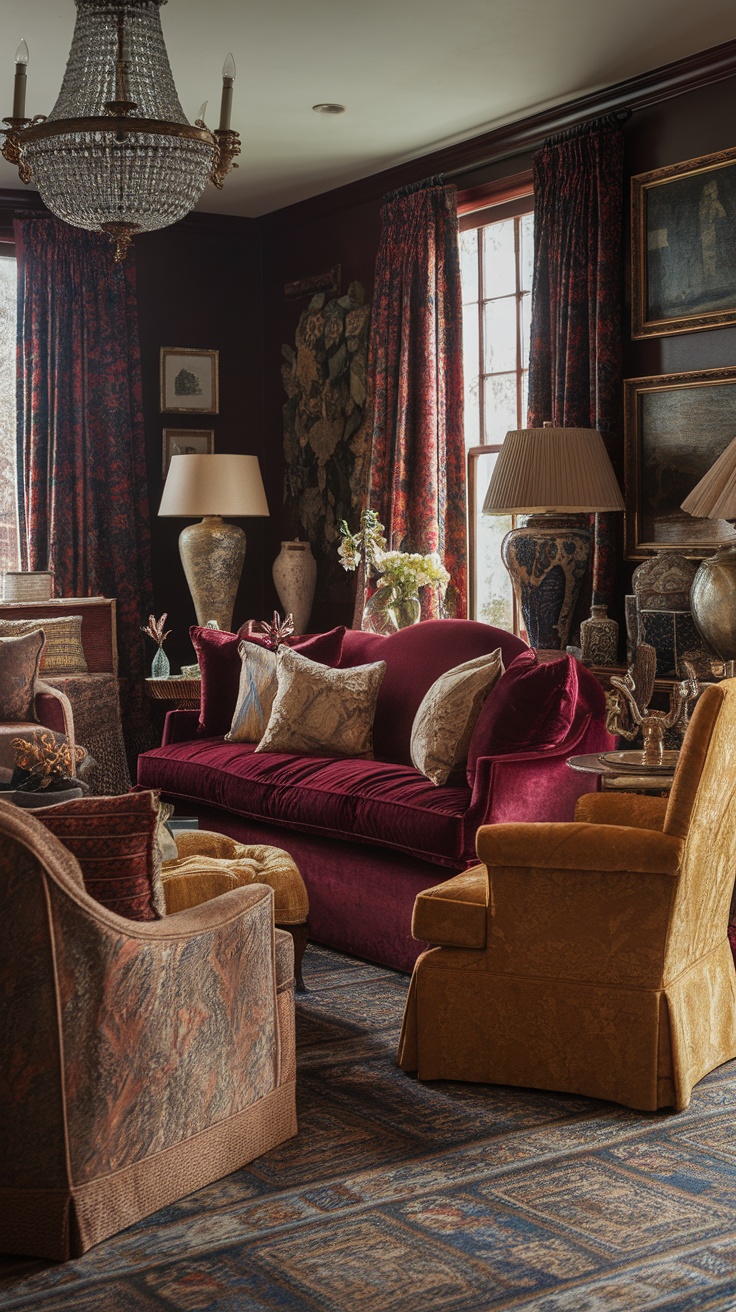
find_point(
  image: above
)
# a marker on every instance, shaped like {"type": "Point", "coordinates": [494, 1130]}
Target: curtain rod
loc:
{"type": "Point", "coordinates": [534, 143]}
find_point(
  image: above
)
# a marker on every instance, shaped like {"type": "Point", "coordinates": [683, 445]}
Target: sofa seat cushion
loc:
{"type": "Point", "coordinates": [454, 914]}
{"type": "Point", "coordinates": [359, 800]}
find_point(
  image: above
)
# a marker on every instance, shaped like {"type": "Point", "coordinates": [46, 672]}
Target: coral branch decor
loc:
{"type": "Point", "coordinates": [160, 667]}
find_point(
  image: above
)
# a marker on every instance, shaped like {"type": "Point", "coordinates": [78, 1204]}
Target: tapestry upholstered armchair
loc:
{"type": "Point", "coordinates": [591, 957]}
{"type": "Point", "coordinates": [138, 1061]}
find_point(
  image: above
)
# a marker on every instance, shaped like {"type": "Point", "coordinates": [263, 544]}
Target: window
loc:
{"type": "Point", "coordinates": [496, 258]}
{"type": "Point", "coordinates": [8, 509]}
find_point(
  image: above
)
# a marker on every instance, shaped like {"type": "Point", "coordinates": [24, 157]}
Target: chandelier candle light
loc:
{"type": "Point", "coordinates": [117, 154]}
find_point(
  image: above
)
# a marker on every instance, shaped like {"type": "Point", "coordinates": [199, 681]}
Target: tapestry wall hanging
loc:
{"type": "Point", "coordinates": [325, 448]}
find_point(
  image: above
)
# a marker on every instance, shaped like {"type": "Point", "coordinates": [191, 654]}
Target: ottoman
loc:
{"type": "Point", "coordinates": [209, 864]}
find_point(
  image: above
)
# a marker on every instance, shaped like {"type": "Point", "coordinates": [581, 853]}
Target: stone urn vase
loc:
{"type": "Point", "coordinates": [295, 577]}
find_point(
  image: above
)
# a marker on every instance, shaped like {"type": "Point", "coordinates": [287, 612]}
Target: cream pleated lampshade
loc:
{"type": "Point", "coordinates": [714, 497]}
{"type": "Point", "coordinates": [552, 469]}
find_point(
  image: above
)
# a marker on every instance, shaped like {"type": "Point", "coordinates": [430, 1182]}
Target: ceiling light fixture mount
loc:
{"type": "Point", "coordinates": [329, 107]}
{"type": "Point", "coordinates": [117, 154]}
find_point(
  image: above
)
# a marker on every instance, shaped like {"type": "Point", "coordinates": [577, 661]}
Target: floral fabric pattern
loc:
{"type": "Point", "coordinates": [415, 372]}
{"type": "Point", "coordinates": [83, 500]}
{"type": "Point", "coordinates": [19, 661]}
{"type": "Point", "coordinates": [575, 366]}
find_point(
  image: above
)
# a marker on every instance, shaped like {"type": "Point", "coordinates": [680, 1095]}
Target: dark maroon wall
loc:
{"type": "Point", "coordinates": [199, 285]}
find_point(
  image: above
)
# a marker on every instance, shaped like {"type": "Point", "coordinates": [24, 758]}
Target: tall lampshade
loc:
{"type": "Point", "coordinates": [713, 592]}
{"type": "Point", "coordinates": [552, 475]}
{"type": "Point", "coordinates": [212, 552]}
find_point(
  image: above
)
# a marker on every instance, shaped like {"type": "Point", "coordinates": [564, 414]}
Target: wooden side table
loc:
{"type": "Point", "coordinates": [179, 692]}
{"type": "Point", "coordinates": [622, 781]}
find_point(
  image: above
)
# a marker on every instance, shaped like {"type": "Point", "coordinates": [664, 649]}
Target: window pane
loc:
{"type": "Point", "coordinates": [526, 315]}
{"type": "Point", "coordinates": [500, 406]}
{"type": "Point", "coordinates": [524, 398]}
{"type": "Point", "coordinates": [492, 600]}
{"type": "Point", "coordinates": [526, 261]}
{"type": "Point", "coordinates": [8, 525]}
{"type": "Point", "coordinates": [469, 264]}
{"type": "Point", "coordinates": [499, 332]}
{"type": "Point", "coordinates": [499, 259]}
{"type": "Point", "coordinates": [471, 353]}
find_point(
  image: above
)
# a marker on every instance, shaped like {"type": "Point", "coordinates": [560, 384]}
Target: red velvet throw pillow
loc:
{"type": "Point", "coordinates": [219, 664]}
{"type": "Point", "coordinates": [113, 839]}
{"type": "Point", "coordinates": [530, 709]}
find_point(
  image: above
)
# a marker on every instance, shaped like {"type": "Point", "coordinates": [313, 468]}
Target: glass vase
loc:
{"type": "Point", "coordinates": [160, 667]}
{"type": "Point", "coordinates": [387, 611]}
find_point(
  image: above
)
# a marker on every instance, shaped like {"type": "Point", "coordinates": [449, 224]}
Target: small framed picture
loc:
{"type": "Point", "coordinates": [189, 383]}
{"type": "Point", "coordinates": [186, 442]}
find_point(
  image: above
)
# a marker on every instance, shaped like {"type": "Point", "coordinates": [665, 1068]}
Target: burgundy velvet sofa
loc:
{"type": "Point", "coordinates": [368, 836]}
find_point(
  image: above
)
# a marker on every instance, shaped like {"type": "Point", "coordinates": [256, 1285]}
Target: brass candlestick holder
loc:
{"type": "Point", "coordinates": [628, 712]}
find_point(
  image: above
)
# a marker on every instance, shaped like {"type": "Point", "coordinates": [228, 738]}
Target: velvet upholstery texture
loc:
{"type": "Point", "coordinates": [220, 666]}
{"type": "Point", "coordinates": [207, 864]}
{"type": "Point", "coordinates": [530, 709]}
{"type": "Point", "coordinates": [415, 658]}
{"type": "Point", "coordinates": [606, 969]}
{"type": "Point", "coordinates": [150, 1059]}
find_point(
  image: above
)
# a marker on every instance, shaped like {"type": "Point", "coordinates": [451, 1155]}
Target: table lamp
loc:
{"type": "Point", "coordinates": [553, 475]}
{"type": "Point", "coordinates": [212, 552]}
{"type": "Point", "coordinates": [713, 592]}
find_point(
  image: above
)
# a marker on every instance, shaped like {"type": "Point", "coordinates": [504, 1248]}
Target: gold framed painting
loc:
{"type": "Point", "coordinates": [683, 246]}
{"type": "Point", "coordinates": [189, 381]}
{"type": "Point", "coordinates": [675, 427]}
{"type": "Point", "coordinates": [186, 442]}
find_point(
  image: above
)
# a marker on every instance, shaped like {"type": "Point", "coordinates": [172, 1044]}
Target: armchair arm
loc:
{"type": "Point", "coordinates": [582, 847]}
{"type": "Point", "coordinates": [66, 710]}
{"type": "Point", "coordinates": [632, 809]}
{"type": "Point", "coordinates": [169, 1027]}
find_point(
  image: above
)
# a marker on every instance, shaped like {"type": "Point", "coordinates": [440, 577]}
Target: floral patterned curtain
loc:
{"type": "Point", "coordinates": [415, 371]}
{"type": "Point", "coordinates": [575, 359]}
{"type": "Point", "coordinates": [83, 500]}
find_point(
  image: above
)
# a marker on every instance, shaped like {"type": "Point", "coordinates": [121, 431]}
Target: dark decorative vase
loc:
{"type": "Point", "coordinates": [548, 560]}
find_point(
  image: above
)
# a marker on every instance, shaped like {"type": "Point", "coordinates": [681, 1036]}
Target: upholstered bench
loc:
{"type": "Point", "coordinates": [209, 864]}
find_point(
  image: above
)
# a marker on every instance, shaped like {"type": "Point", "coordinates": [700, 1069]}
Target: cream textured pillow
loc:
{"type": "Point", "coordinates": [447, 715]}
{"type": "Point", "coordinates": [320, 710]}
{"type": "Point", "coordinates": [256, 691]}
{"type": "Point", "coordinates": [63, 653]}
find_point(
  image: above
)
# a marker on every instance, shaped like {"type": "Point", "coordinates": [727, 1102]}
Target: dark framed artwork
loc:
{"type": "Point", "coordinates": [683, 246]}
{"type": "Point", "coordinates": [675, 427]}
{"type": "Point", "coordinates": [184, 442]}
{"type": "Point", "coordinates": [189, 381]}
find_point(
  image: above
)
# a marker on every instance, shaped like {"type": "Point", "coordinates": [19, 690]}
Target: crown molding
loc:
{"type": "Point", "coordinates": [527, 134]}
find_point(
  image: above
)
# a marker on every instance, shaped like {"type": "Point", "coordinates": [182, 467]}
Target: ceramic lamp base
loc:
{"type": "Point", "coordinates": [212, 553]}
{"type": "Point", "coordinates": [548, 560]}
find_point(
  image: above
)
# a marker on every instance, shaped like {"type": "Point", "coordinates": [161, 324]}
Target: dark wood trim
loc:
{"type": "Point", "coordinates": [526, 134]}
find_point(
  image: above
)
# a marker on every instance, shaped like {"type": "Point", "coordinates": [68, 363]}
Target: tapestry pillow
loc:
{"type": "Point", "coordinates": [258, 684]}
{"type": "Point", "coordinates": [448, 713]}
{"type": "Point", "coordinates": [322, 711]}
{"type": "Point", "coordinates": [530, 709]}
{"type": "Point", "coordinates": [19, 661]}
{"type": "Point", "coordinates": [114, 841]}
{"type": "Point", "coordinates": [220, 666]}
{"type": "Point", "coordinates": [63, 653]}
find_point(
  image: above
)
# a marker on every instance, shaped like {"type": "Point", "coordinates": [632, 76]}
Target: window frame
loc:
{"type": "Point", "coordinates": [510, 198]}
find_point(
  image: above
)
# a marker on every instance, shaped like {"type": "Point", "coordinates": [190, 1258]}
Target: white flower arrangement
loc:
{"type": "Point", "coordinates": [408, 571]}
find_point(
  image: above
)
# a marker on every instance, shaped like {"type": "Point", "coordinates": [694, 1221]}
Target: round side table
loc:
{"type": "Point", "coordinates": [181, 693]}
{"type": "Point", "coordinates": [622, 781]}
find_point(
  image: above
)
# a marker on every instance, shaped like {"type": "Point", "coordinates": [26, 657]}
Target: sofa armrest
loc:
{"type": "Point", "coordinates": [580, 847]}
{"type": "Point", "coordinates": [179, 726]}
{"type": "Point", "coordinates": [635, 810]}
{"type": "Point", "coordinates": [47, 690]}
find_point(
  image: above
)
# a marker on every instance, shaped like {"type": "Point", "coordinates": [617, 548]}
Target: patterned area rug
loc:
{"type": "Point", "coordinates": [399, 1197]}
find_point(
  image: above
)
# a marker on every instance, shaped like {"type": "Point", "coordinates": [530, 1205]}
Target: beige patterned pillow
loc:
{"type": "Point", "coordinates": [19, 661]}
{"type": "Point", "coordinates": [256, 691]}
{"type": "Point", "coordinates": [447, 715]}
{"type": "Point", "coordinates": [63, 653]}
{"type": "Point", "coordinates": [320, 710]}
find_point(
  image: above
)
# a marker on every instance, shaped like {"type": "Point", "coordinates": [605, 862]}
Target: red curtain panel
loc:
{"type": "Point", "coordinates": [83, 500]}
{"type": "Point", "coordinates": [417, 464]}
{"type": "Point", "coordinates": [575, 358]}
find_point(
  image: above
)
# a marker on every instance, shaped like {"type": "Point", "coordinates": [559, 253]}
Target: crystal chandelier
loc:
{"type": "Point", "coordinates": [117, 154]}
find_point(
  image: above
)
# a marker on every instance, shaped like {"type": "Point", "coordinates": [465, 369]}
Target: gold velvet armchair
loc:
{"type": "Point", "coordinates": [591, 957]}
{"type": "Point", "coordinates": [138, 1061]}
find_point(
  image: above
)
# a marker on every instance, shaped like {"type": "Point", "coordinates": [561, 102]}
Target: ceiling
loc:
{"type": "Point", "coordinates": [415, 75]}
